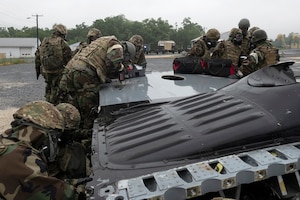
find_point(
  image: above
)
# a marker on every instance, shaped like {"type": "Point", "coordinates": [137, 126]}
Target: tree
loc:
{"type": "Point", "coordinates": [152, 30]}
{"type": "Point", "coordinates": [188, 32]}
{"type": "Point", "coordinates": [79, 33]}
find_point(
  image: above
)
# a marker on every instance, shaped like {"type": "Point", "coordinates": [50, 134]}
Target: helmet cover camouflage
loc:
{"type": "Point", "coordinates": [70, 114]}
{"type": "Point", "coordinates": [244, 23]}
{"type": "Point", "coordinates": [94, 32]}
{"type": "Point", "coordinates": [41, 113]}
{"type": "Point", "coordinates": [60, 28]}
{"type": "Point", "coordinates": [258, 35]}
{"type": "Point", "coordinates": [137, 40]}
{"type": "Point", "coordinates": [234, 32]}
{"type": "Point", "coordinates": [213, 34]}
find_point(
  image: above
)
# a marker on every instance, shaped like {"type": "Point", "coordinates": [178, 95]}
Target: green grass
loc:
{"type": "Point", "coordinates": [12, 61]}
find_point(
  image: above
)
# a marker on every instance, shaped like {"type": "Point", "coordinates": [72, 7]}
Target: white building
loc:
{"type": "Point", "coordinates": [18, 47]}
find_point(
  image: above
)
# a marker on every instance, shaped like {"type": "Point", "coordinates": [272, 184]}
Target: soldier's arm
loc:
{"type": "Point", "coordinates": [255, 58]}
{"type": "Point", "coordinates": [67, 52]}
{"type": "Point", "coordinates": [219, 50]}
{"type": "Point", "coordinates": [142, 59]}
{"type": "Point", "coordinates": [32, 180]}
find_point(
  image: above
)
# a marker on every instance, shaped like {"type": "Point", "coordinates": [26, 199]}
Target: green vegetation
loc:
{"type": "Point", "coordinates": [12, 61]}
{"type": "Point", "coordinates": [152, 31]}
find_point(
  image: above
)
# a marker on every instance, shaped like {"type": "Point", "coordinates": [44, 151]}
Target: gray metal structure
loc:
{"type": "Point", "coordinates": [159, 87]}
{"type": "Point", "coordinates": [199, 137]}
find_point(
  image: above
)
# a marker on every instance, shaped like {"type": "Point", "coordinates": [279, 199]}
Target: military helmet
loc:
{"type": "Point", "coordinates": [251, 30]}
{"type": "Point", "coordinates": [213, 34]}
{"type": "Point", "coordinates": [137, 40]}
{"type": "Point", "coordinates": [234, 32]}
{"type": "Point", "coordinates": [70, 114]}
{"type": "Point", "coordinates": [244, 23]}
{"type": "Point", "coordinates": [60, 28]}
{"type": "Point", "coordinates": [258, 35]}
{"type": "Point", "coordinates": [128, 47]}
{"type": "Point", "coordinates": [41, 113]}
{"type": "Point", "coordinates": [94, 32]}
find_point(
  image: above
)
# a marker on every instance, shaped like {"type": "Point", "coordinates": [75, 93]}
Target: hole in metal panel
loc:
{"type": "Point", "coordinates": [150, 184]}
{"type": "Point", "coordinates": [277, 154]}
{"type": "Point", "coordinates": [172, 77]}
{"type": "Point", "coordinates": [218, 167]}
{"type": "Point", "coordinates": [247, 159]}
{"type": "Point", "coordinates": [185, 175]}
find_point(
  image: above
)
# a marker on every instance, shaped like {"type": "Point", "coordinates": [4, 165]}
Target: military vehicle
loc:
{"type": "Point", "coordinates": [163, 136]}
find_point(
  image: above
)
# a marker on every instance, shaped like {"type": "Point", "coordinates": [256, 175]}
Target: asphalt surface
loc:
{"type": "Point", "coordinates": [18, 83]}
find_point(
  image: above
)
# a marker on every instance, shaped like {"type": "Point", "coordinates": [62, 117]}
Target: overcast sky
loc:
{"type": "Point", "coordinates": [274, 16]}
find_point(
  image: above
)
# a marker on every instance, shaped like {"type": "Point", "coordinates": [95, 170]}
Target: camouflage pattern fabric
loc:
{"type": "Point", "coordinates": [228, 50]}
{"type": "Point", "coordinates": [263, 55]}
{"type": "Point", "coordinates": [80, 83]}
{"type": "Point", "coordinates": [26, 175]}
{"type": "Point", "coordinates": [79, 48]}
{"type": "Point", "coordinates": [139, 58]}
{"type": "Point", "coordinates": [245, 46]}
{"type": "Point", "coordinates": [70, 114]}
{"type": "Point", "coordinates": [80, 87]}
{"type": "Point", "coordinates": [52, 77]}
{"type": "Point", "coordinates": [200, 49]}
{"type": "Point", "coordinates": [31, 180]}
{"type": "Point", "coordinates": [41, 113]}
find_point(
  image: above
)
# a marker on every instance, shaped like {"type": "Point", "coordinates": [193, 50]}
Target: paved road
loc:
{"type": "Point", "coordinates": [18, 84]}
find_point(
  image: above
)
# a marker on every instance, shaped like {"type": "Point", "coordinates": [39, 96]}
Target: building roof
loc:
{"type": "Point", "coordinates": [18, 42]}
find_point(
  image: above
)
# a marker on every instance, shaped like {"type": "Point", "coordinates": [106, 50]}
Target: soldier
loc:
{"type": "Point", "coordinates": [25, 150]}
{"type": "Point", "coordinates": [50, 60]}
{"type": "Point", "coordinates": [250, 32]}
{"type": "Point", "coordinates": [231, 48]}
{"type": "Point", "coordinates": [203, 46]}
{"type": "Point", "coordinates": [71, 161]}
{"type": "Point", "coordinates": [92, 35]}
{"type": "Point", "coordinates": [85, 72]}
{"type": "Point", "coordinates": [244, 25]}
{"type": "Point", "coordinates": [139, 58]}
{"type": "Point", "coordinates": [263, 54]}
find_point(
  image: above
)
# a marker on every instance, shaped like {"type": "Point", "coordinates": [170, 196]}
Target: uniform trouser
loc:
{"type": "Point", "coordinates": [52, 86]}
{"type": "Point", "coordinates": [81, 89]}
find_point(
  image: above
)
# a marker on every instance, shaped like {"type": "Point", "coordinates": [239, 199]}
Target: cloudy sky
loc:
{"type": "Point", "coordinates": [274, 16]}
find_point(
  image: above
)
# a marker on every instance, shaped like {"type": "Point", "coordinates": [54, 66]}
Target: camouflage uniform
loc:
{"type": "Point", "coordinates": [250, 32]}
{"type": "Point", "coordinates": [244, 25]}
{"type": "Point", "coordinates": [139, 58]}
{"type": "Point", "coordinates": [92, 35]}
{"type": "Point", "coordinates": [80, 83]}
{"type": "Point", "coordinates": [263, 55]}
{"type": "Point", "coordinates": [203, 47]}
{"type": "Point", "coordinates": [231, 48]}
{"type": "Point", "coordinates": [52, 77]}
{"type": "Point", "coordinates": [23, 165]}
{"type": "Point", "coordinates": [64, 166]}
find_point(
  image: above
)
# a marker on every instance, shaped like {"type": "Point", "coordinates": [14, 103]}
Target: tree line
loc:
{"type": "Point", "coordinates": [152, 30]}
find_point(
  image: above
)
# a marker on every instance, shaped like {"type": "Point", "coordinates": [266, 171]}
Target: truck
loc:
{"type": "Point", "coordinates": [190, 136]}
{"type": "Point", "coordinates": [164, 46]}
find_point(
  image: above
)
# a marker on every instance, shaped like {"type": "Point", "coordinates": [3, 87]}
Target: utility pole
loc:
{"type": "Point", "coordinates": [37, 29]}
